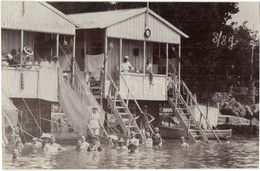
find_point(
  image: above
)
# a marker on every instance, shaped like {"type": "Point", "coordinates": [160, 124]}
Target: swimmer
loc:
{"type": "Point", "coordinates": [95, 146]}
{"type": "Point", "coordinates": [19, 145]}
{"type": "Point", "coordinates": [157, 139]}
{"type": "Point", "coordinates": [132, 142]}
{"type": "Point", "coordinates": [148, 142]}
{"type": "Point", "coordinates": [15, 155]}
{"type": "Point", "coordinates": [52, 146]}
{"type": "Point", "coordinates": [183, 143]}
{"type": "Point", "coordinates": [120, 144]}
{"type": "Point", "coordinates": [82, 144]}
{"type": "Point", "coordinates": [36, 145]}
{"type": "Point", "coordinates": [227, 138]}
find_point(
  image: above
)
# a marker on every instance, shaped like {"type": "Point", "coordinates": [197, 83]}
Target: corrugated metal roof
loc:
{"type": "Point", "coordinates": [107, 18]}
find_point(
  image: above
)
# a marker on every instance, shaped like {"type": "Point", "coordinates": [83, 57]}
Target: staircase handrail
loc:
{"type": "Point", "coordinates": [176, 89]}
{"type": "Point", "coordinates": [137, 104]}
{"type": "Point", "coordinates": [201, 114]}
{"type": "Point", "coordinates": [196, 103]}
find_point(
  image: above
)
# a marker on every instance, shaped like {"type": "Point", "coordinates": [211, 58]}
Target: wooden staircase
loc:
{"type": "Point", "coordinates": [121, 111]}
{"type": "Point", "coordinates": [181, 103]}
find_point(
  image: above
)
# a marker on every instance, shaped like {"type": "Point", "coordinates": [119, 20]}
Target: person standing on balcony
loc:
{"type": "Point", "coordinates": [54, 63]}
{"type": "Point", "coordinates": [45, 63]}
{"type": "Point", "coordinates": [149, 70]}
{"type": "Point", "coordinates": [94, 122]}
{"type": "Point", "coordinates": [126, 65]}
{"type": "Point", "coordinates": [28, 63]}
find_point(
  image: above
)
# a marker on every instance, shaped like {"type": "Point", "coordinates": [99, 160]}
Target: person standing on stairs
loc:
{"type": "Point", "coordinates": [146, 119]}
{"type": "Point", "coordinates": [94, 121]}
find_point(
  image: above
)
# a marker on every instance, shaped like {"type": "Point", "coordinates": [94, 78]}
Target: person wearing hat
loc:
{"type": "Point", "coordinates": [95, 121]}
{"type": "Point", "coordinates": [126, 65]}
{"type": "Point", "coordinates": [54, 63]}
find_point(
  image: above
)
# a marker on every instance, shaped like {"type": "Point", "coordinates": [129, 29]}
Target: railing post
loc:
{"type": "Point", "coordinates": [127, 99]}
{"type": "Point", "coordinates": [21, 53]}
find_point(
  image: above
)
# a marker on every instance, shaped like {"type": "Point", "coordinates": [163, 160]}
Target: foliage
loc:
{"type": "Point", "coordinates": [220, 98]}
{"type": "Point", "coordinates": [232, 107]}
{"type": "Point", "coordinates": [206, 68]}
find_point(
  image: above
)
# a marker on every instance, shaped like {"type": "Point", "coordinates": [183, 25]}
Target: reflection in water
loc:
{"type": "Point", "coordinates": [237, 154]}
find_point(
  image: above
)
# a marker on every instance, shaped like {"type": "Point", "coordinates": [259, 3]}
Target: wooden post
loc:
{"type": "Point", "coordinates": [85, 52]}
{"type": "Point", "coordinates": [120, 55]}
{"type": "Point", "coordinates": [167, 58]}
{"type": "Point", "coordinates": [207, 114]}
{"type": "Point", "coordinates": [105, 65]}
{"type": "Point", "coordinates": [57, 45]}
{"type": "Point", "coordinates": [73, 60]}
{"type": "Point", "coordinates": [167, 68]}
{"type": "Point", "coordinates": [144, 57]}
{"type": "Point", "coordinates": [179, 67]}
{"type": "Point", "coordinates": [21, 54]}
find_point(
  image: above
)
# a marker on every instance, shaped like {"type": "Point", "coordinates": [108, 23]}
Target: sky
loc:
{"type": "Point", "coordinates": [249, 11]}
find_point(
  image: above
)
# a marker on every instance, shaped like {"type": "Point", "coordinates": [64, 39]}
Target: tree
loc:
{"type": "Point", "coordinates": [206, 67]}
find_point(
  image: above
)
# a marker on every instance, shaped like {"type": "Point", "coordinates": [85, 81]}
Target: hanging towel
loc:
{"type": "Point", "coordinates": [94, 65]}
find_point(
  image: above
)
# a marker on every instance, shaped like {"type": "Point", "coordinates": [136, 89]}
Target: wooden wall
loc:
{"type": "Point", "coordinates": [34, 16]}
{"type": "Point", "coordinates": [134, 27]}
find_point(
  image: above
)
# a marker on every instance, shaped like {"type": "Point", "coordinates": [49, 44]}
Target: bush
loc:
{"type": "Point", "coordinates": [228, 105]}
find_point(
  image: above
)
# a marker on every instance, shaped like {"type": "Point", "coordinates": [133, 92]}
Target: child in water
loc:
{"type": "Point", "coordinates": [183, 143]}
{"type": "Point", "coordinates": [157, 139]}
{"type": "Point", "coordinates": [132, 143]}
{"type": "Point", "coordinates": [121, 144]}
{"type": "Point", "coordinates": [95, 146]}
{"type": "Point", "coordinates": [148, 142]}
{"type": "Point", "coordinates": [82, 144]}
{"type": "Point", "coordinates": [15, 155]}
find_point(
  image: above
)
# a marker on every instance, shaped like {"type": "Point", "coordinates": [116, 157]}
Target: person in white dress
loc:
{"type": "Point", "coordinates": [54, 63]}
{"type": "Point", "coordinates": [94, 121]}
{"type": "Point", "coordinates": [45, 63]}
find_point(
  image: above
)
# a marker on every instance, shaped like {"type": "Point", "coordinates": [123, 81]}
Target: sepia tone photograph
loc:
{"type": "Point", "coordinates": [130, 85]}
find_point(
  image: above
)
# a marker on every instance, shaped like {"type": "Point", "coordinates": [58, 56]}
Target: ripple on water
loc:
{"type": "Point", "coordinates": [239, 154]}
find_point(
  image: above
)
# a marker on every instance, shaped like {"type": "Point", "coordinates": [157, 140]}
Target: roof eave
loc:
{"type": "Point", "coordinates": [59, 13]}
{"type": "Point", "coordinates": [168, 23]}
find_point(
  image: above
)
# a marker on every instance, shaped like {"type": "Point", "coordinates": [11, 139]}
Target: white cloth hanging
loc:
{"type": "Point", "coordinates": [94, 65]}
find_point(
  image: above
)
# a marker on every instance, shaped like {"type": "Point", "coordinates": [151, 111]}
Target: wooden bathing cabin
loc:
{"type": "Point", "coordinates": [104, 38]}
{"type": "Point", "coordinates": [43, 29]}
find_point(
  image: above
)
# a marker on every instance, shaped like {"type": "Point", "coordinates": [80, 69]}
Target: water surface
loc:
{"type": "Point", "coordinates": [243, 153]}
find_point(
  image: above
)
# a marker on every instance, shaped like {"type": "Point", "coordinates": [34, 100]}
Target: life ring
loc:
{"type": "Point", "coordinates": [147, 33]}
{"type": "Point", "coordinates": [28, 50]}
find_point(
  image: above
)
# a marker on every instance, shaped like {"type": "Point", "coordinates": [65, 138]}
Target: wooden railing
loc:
{"type": "Point", "coordinates": [190, 100]}
{"type": "Point", "coordinates": [129, 95]}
